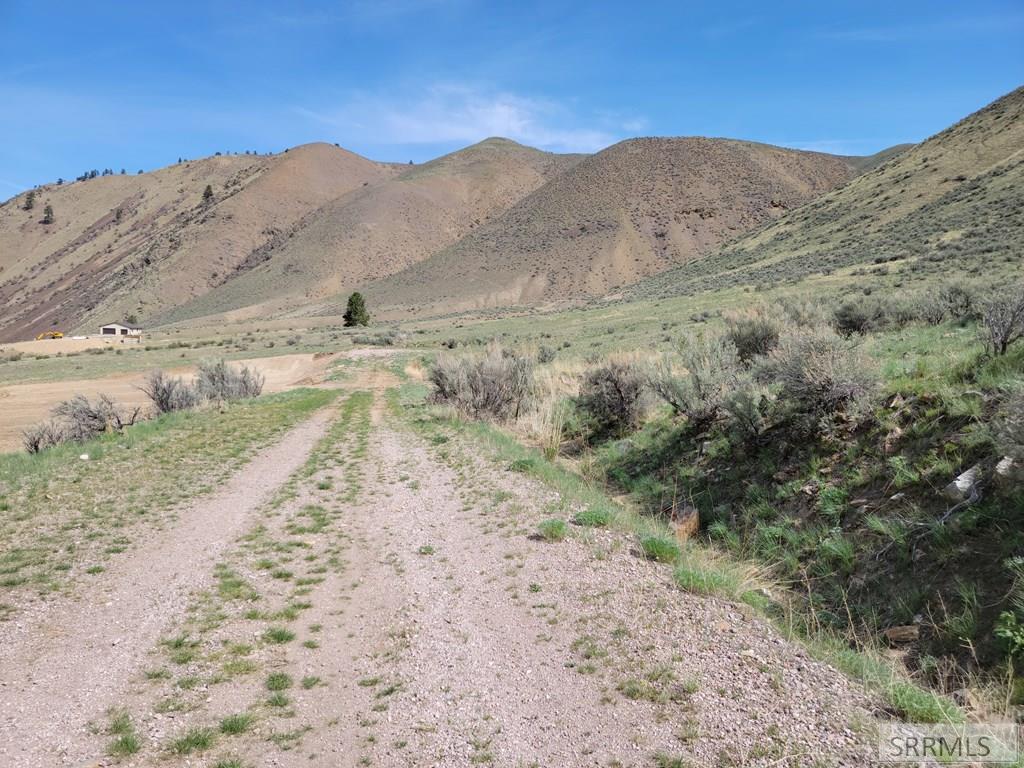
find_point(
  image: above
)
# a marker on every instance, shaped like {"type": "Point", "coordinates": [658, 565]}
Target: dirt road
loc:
{"type": "Point", "coordinates": [393, 606]}
{"type": "Point", "coordinates": [63, 669]}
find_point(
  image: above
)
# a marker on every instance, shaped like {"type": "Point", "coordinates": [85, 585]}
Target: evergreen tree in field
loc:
{"type": "Point", "coordinates": [48, 214]}
{"type": "Point", "coordinates": [208, 194]}
{"type": "Point", "coordinates": [30, 200]}
{"type": "Point", "coordinates": [356, 313]}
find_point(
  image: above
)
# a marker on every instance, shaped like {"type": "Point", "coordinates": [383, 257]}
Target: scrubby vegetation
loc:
{"type": "Point", "coordinates": [495, 384]}
{"type": "Point", "coordinates": [79, 419]}
{"type": "Point", "coordinates": [823, 441]}
{"type": "Point", "coordinates": [215, 381]}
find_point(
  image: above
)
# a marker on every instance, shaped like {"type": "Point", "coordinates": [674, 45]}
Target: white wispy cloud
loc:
{"type": "Point", "coordinates": [453, 113]}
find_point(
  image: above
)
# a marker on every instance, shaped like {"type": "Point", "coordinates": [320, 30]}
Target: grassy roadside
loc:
{"type": "Point", "coordinates": [62, 516]}
{"type": "Point", "coordinates": [695, 567]}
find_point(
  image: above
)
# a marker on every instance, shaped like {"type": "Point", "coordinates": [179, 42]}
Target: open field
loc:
{"type": "Point", "coordinates": [22, 405]}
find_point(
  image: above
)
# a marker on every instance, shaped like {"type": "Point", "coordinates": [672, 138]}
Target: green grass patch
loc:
{"type": "Point", "coordinates": [553, 530]}
{"type": "Point", "coordinates": [661, 549]}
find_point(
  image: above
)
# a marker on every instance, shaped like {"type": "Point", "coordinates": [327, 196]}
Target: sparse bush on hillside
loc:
{"type": "Point", "coordinates": [495, 384]}
{"type": "Point", "coordinates": [820, 373]}
{"type": "Point", "coordinates": [78, 420]}
{"type": "Point", "coordinates": [1002, 317]}
{"type": "Point", "coordinates": [711, 372]}
{"type": "Point", "coordinates": [216, 380]}
{"type": "Point", "coordinates": [546, 354]}
{"type": "Point", "coordinates": [858, 317]}
{"type": "Point", "coordinates": [931, 309]}
{"type": "Point", "coordinates": [168, 393]}
{"type": "Point", "coordinates": [753, 332]}
{"type": "Point", "coordinates": [803, 311]}
{"type": "Point", "coordinates": [611, 397]}
{"type": "Point", "coordinates": [959, 301]}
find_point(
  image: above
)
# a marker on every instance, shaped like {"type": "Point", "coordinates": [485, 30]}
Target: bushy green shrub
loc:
{"type": "Point", "coordinates": [712, 369]}
{"type": "Point", "coordinates": [662, 549]}
{"type": "Point", "coordinates": [748, 408]}
{"type": "Point", "coordinates": [820, 373]}
{"type": "Point", "coordinates": [753, 332]}
{"type": "Point", "coordinates": [858, 317]}
{"type": "Point", "coordinates": [611, 398]}
{"type": "Point", "coordinates": [553, 530]}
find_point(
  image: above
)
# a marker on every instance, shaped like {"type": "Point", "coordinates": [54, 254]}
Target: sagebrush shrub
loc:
{"type": "Point", "coordinates": [753, 332]}
{"type": "Point", "coordinates": [78, 420]}
{"type": "Point", "coordinates": [859, 317]}
{"type": "Point", "coordinates": [168, 393]}
{"type": "Point", "coordinates": [931, 309]}
{"type": "Point", "coordinates": [803, 311]}
{"type": "Point", "coordinates": [611, 396]}
{"type": "Point", "coordinates": [820, 373]}
{"type": "Point", "coordinates": [1002, 317]}
{"type": "Point", "coordinates": [41, 436]}
{"type": "Point", "coordinates": [712, 369]}
{"type": "Point", "coordinates": [959, 301]}
{"type": "Point", "coordinates": [384, 339]}
{"type": "Point", "coordinates": [496, 384]}
{"type": "Point", "coordinates": [748, 408]}
{"type": "Point", "coordinates": [216, 380]}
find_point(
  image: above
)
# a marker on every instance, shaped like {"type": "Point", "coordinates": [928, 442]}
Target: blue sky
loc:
{"type": "Point", "coordinates": [137, 84]}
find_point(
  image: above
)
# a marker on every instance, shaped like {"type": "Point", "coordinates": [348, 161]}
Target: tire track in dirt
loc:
{"type": "Point", "coordinates": [67, 667]}
{"type": "Point", "coordinates": [515, 651]}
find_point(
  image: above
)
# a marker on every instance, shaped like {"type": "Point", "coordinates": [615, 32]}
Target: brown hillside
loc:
{"type": "Point", "coordinates": [952, 204]}
{"type": "Point", "coordinates": [382, 228]}
{"type": "Point", "coordinates": [632, 210]}
{"type": "Point", "coordinates": [166, 246]}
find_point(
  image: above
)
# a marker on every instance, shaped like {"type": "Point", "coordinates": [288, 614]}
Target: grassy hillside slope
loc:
{"type": "Point", "coordinates": [953, 204]}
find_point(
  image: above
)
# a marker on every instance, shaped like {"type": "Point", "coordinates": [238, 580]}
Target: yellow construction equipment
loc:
{"type": "Point", "coordinates": [50, 335]}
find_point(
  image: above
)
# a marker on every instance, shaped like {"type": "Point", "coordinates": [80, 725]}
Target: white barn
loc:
{"type": "Point", "coordinates": [117, 329]}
